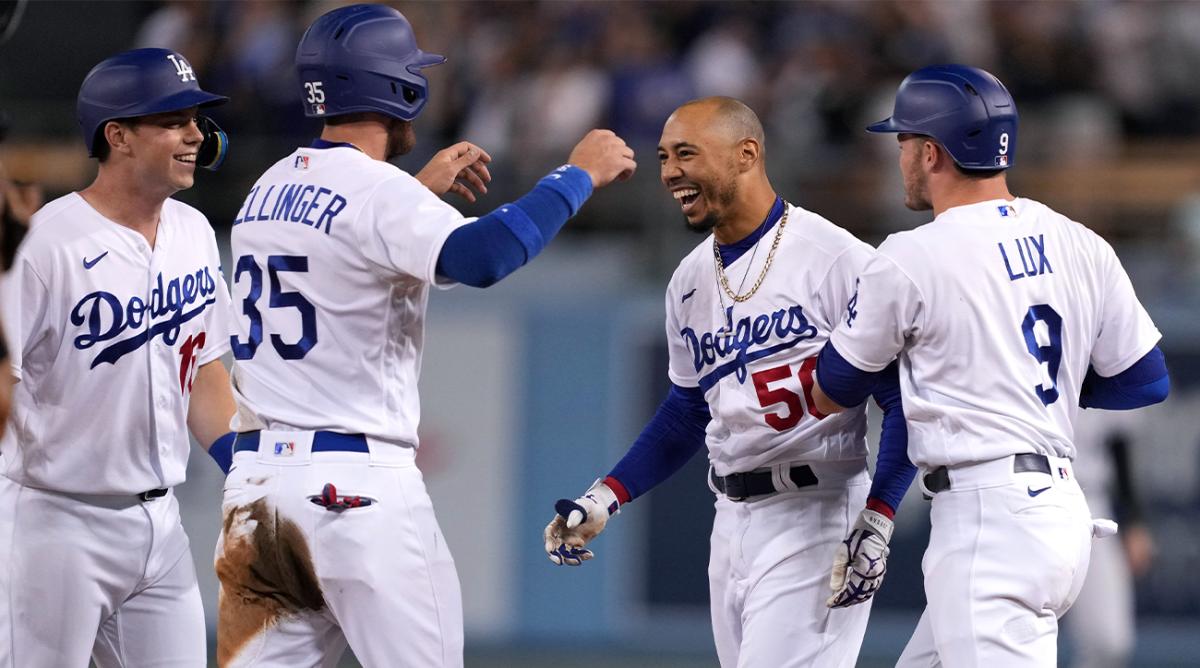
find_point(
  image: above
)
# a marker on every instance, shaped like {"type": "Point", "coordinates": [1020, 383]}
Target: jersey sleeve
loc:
{"type": "Point", "coordinates": [1126, 332]}
{"type": "Point", "coordinates": [25, 303]}
{"type": "Point", "coordinates": [841, 283]}
{"type": "Point", "coordinates": [218, 318]}
{"type": "Point", "coordinates": [403, 226]}
{"type": "Point", "coordinates": [681, 370]}
{"type": "Point", "coordinates": [880, 316]}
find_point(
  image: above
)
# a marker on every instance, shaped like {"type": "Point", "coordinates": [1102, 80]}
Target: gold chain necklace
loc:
{"type": "Point", "coordinates": [724, 280]}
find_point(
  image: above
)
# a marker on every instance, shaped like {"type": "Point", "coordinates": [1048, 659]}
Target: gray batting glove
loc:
{"type": "Point", "coordinates": [860, 561]}
{"type": "Point", "coordinates": [577, 523]}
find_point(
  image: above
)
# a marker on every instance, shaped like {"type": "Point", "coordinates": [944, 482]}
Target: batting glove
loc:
{"type": "Point", "coordinates": [860, 561]}
{"type": "Point", "coordinates": [578, 522]}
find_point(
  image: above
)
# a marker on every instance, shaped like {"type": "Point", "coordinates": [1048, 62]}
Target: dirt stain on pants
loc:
{"type": "Point", "coordinates": [266, 573]}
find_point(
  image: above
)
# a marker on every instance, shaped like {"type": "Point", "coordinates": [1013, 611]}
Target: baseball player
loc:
{"type": "Point", "coordinates": [747, 312]}
{"type": "Point", "coordinates": [329, 535]}
{"type": "Point", "coordinates": [1006, 317]}
{"type": "Point", "coordinates": [115, 312]}
{"type": "Point", "coordinates": [1101, 626]}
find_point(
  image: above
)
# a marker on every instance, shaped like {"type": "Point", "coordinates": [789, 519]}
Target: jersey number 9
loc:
{"type": "Point", "coordinates": [1046, 349]}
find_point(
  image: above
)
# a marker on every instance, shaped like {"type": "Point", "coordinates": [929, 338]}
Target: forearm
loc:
{"type": "Point", "coordinates": [211, 406]}
{"type": "Point", "coordinates": [672, 437]}
{"type": "Point", "coordinates": [894, 472]}
{"type": "Point", "coordinates": [485, 251]}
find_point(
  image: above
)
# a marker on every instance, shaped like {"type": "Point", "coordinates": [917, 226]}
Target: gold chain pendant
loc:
{"type": "Point", "coordinates": [766, 267]}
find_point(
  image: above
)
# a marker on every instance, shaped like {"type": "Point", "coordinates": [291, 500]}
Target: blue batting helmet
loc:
{"type": "Point", "coordinates": [967, 110]}
{"type": "Point", "coordinates": [137, 83]}
{"type": "Point", "coordinates": [363, 58]}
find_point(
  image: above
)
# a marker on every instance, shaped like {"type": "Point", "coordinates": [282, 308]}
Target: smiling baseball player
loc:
{"type": "Point", "coordinates": [1006, 317]}
{"type": "Point", "coordinates": [115, 311]}
{"type": "Point", "coordinates": [329, 536]}
{"type": "Point", "coordinates": [747, 312]}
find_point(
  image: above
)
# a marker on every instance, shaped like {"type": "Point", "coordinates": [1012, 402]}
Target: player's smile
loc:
{"type": "Point", "coordinates": [688, 197]}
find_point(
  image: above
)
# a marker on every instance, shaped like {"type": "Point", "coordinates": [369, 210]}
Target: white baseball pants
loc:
{"type": "Point", "coordinates": [299, 581]}
{"type": "Point", "coordinates": [1007, 556]}
{"type": "Point", "coordinates": [769, 571]}
{"type": "Point", "coordinates": [110, 578]}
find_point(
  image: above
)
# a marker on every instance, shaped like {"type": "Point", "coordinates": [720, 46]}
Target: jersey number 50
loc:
{"type": "Point", "coordinates": [1049, 354]}
{"type": "Point", "coordinates": [246, 264]}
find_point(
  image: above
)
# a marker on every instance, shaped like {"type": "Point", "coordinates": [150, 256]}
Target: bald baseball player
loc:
{"type": "Point", "coordinates": [746, 313]}
{"type": "Point", "coordinates": [1007, 317]}
{"type": "Point", "coordinates": [115, 311]}
{"type": "Point", "coordinates": [329, 535]}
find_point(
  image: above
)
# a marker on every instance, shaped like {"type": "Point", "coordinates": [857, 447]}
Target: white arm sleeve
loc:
{"type": "Point", "coordinates": [681, 368]}
{"type": "Point", "coordinates": [1126, 331]}
{"type": "Point", "coordinates": [403, 226]}
{"type": "Point", "coordinates": [841, 283]}
{"type": "Point", "coordinates": [25, 302]}
{"type": "Point", "coordinates": [881, 318]}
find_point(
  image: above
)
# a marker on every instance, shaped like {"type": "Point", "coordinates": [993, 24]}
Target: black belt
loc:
{"type": "Point", "coordinates": [153, 494]}
{"type": "Point", "coordinates": [742, 486]}
{"type": "Point", "coordinates": [938, 480]}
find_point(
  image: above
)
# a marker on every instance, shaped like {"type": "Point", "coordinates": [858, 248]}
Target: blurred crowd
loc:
{"type": "Point", "coordinates": [528, 78]}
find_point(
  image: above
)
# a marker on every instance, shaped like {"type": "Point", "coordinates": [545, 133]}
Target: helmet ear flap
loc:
{"type": "Point", "coordinates": [215, 146]}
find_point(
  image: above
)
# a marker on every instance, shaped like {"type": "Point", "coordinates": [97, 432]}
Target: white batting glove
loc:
{"type": "Point", "coordinates": [577, 523]}
{"type": "Point", "coordinates": [860, 561]}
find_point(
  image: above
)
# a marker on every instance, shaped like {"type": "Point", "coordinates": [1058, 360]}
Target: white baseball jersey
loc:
{"type": "Point", "coordinates": [758, 382]}
{"type": "Point", "coordinates": [334, 253]}
{"type": "Point", "coordinates": [105, 335]}
{"type": "Point", "coordinates": [996, 309]}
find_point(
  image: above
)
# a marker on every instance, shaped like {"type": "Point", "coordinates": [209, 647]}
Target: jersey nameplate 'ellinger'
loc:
{"type": "Point", "coordinates": [754, 360]}
{"type": "Point", "coordinates": [333, 256]}
{"type": "Point", "coordinates": [112, 332]}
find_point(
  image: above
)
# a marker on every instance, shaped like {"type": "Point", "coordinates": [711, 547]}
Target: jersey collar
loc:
{"type": "Point", "coordinates": [731, 252]}
{"type": "Point", "coordinates": [322, 143]}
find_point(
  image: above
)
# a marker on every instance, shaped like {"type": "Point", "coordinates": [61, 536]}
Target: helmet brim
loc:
{"type": "Point", "coordinates": [886, 125]}
{"type": "Point", "coordinates": [424, 59]}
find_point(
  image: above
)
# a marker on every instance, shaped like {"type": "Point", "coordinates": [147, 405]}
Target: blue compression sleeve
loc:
{"type": "Point", "coordinates": [481, 253]}
{"type": "Point", "coordinates": [1144, 383]}
{"type": "Point", "coordinates": [222, 451]}
{"type": "Point", "coordinates": [672, 437]}
{"type": "Point", "coordinates": [894, 472]}
{"type": "Point", "coordinates": [841, 381]}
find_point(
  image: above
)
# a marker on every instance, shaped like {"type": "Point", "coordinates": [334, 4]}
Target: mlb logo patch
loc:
{"type": "Point", "coordinates": [1002, 161]}
{"type": "Point", "coordinates": [285, 448]}
{"type": "Point", "coordinates": [319, 109]}
{"type": "Point", "coordinates": [1062, 473]}
{"type": "Point", "coordinates": [1006, 211]}
{"type": "Point", "coordinates": [301, 162]}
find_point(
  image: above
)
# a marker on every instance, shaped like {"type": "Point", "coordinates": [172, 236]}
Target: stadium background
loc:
{"type": "Point", "coordinates": [533, 388]}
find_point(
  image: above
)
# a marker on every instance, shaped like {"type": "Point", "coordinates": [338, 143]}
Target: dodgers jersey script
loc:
{"type": "Point", "coordinates": [334, 253]}
{"type": "Point", "coordinates": [1001, 308]}
{"type": "Point", "coordinates": [112, 332]}
{"type": "Point", "coordinates": [758, 380]}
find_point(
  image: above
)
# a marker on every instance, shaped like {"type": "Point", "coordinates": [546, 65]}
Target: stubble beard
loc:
{"type": "Point", "coordinates": [401, 138]}
{"type": "Point", "coordinates": [726, 194]}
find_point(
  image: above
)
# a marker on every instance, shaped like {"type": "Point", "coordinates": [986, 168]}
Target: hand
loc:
{"type": "Point", "coordinates": [457, 169]}
{"type": "Point", "coordinates": [860, 561]}
{"type": "Point", "coordinates": [577, 523]}
{"type": "Point", "coordinates": [1139, 547]}
{"type": "Point", "coordinates": [604, 156]}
